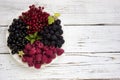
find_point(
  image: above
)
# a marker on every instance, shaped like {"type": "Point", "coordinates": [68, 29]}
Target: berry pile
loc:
{"type": "Point", "coordinates": [51, 35]}
{"type": "Point", "coordinates": [36, 36]}
{"type": "Point", "coordinates": [37, 54]}
{"type": "Point", "coordinates": [17, 32]}
{"type": "Point", "coordinates": [36, 18]}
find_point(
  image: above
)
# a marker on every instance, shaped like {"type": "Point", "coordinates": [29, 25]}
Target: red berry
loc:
{"type": "Point", "coordinates": [40, 45]}
{"type": "Point", "coordinates": [49, 52]}
{"type": "Point", "coordinates": [53, 49]}
{"type": "Point", "coordinates": [30, 64]}
{"type": "Point", "coordinates": [60, 51]}
{"type": "Point", "coordinates": [28, 46]}
{"type": "Point", "coordinates": [44, 59]}
{"type": "Point", "coordinates": [37, 42]}
{"type": "Point", "coordinates": [36, 18]}
{"type": "Point", "coordinates": [37, 66]}
{"type": "Point", "coordinates": [46, 48]}
{"type": "Point", "coordinates": [49, 60]}
{"type": "Point", "coordinates": [53, 56]}
{"type": "Point", "coordinates": [29, 59]}
{"type": "Point", "coordinates": [23, 59]}
{"type": "Point", "coordinates": [25, 51]}
{"type": "Point", "coordinates": [32, 51]}
{"type": "Point", "coordinates": [38, 57]}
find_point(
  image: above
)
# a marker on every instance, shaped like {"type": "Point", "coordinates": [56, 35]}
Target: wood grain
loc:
{"type": "Point", "coordinates": [82, 39]}
{"type": "Point", "coordinates": [72, 11]}
{"type": "Point", "coordinates": [72, 66]}
{"type": "Point", "coordinates": [91, 32]}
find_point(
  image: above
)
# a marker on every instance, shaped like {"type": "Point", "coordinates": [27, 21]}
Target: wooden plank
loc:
{"type": "Point", "coordinates": [73, 11]}
{"type": "Point", "coordinates": [82, 39]}
{"type": "Point", "coordinates": [91, 38]}
{"type": "Point", "coordinates": [3, 40]}
{"type": "Point", "coordinates": [72, 66]}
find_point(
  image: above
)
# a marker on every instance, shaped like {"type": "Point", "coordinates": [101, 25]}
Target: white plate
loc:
{"type": "Point", "coordinates": [19, 60]}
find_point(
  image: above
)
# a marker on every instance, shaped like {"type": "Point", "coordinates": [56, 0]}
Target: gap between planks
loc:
{"type": "Point", "coordinates": [100, 24]}
{"type": "Point", "coordinates": [73, 11]}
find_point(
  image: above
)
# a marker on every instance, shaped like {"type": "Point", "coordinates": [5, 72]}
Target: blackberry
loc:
{"type": "Point", "coordinates": [53, 37]}
{"type": "Point", "coordinates": [13, 52]}
{"type": "Point", "coordinates": [17, 32]}
{"type": "Point", "coordinates": [58, 22]}
{"type": "Point", "coordinates": [53, 43]}
{"type": "Point", "coordinates": [48, 36]}
{"type": "Point", "coordinates": [51, 34]}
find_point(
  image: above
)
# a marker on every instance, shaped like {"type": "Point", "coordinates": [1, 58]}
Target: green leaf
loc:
{"type": "Point", "coordinates": [38, 38]}
{"type": "Point", "coordinates": [28, 38]}
{"type": "Point", "coordinates": [51, 19]}
{"type": "Point", "coordinates": [35, 34]}
{"type": "Point", "coordinates": [32, 41]}
{"type": "Point", "coordinates": [56, 15]}
{"type": "Point", "coordinates": [31, 35]}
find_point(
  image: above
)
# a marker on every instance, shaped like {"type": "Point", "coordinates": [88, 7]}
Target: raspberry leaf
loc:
{"type": "Point", "coordinates": [38, 38]}
{"type": "Point", "coordinates": [32, 41]}
{"type": "Point", "coordinates": [35, 34]}
{"type": "Point", "coordinates": [33, 37]}
{"type": "Point", "coordinates": [28, 38]}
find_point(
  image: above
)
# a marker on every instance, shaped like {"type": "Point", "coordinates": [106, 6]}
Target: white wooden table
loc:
{"type": "Point", "coordinates": [92, 34]}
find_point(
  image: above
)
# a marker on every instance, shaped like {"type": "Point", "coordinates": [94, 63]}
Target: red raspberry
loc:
{"type": "Point", "coordinates": [38, 51]}
{"type": "Point", "coordinates": [49, 53]}
{"type": "Point", "coordinates": [53, 56]}
{"type": "Point", "coordinates": [37, 42]}
{"type": "Point", "coordinates": [25, 51]}
{"type": "Point", "coordinates": [53, 49]}
{"type": "Point", "coordinates": [32, 51]}
{"type": "Point", "coordinates": [40, 45]}
{"type": "Point", "coordinates": [30, 64]}
{"type": "Point", "coordinates": [29, 59]}
{"type": "Point", "coordinates": [60, 51]}
{"type": "Point", "coordinates": [44, 59]}
{"type": "Point", "coordinates": [28, 46]}
{"type": "Point", "coordinates": [38, 57]}
{"type": "Point", "coordinates": [45, 48]}
{"type": "Point", "coordinates": [24, 59]}
{"type": "Point", "coordinates": [33, 45]}
{"type": "Point", "coordinates": [49, 60]}
{"type": "Point", "coordinates": [37, 66]}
